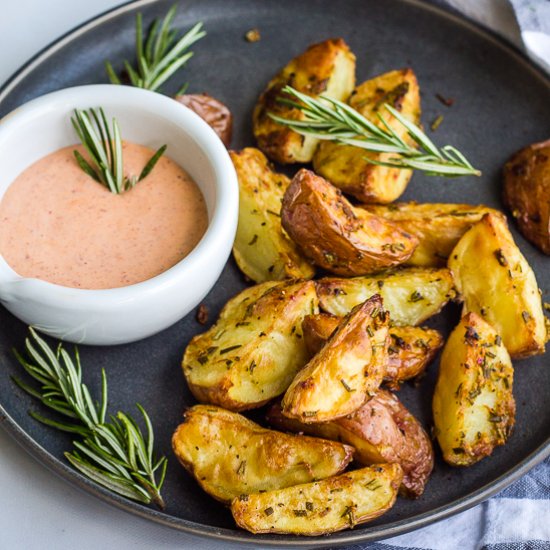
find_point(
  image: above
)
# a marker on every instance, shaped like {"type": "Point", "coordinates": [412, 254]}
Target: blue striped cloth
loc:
{"type": "Point", "coordinates": [518, 518]}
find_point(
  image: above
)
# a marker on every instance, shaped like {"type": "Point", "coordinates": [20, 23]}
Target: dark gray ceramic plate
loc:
{"type": "Point", "coordinates": [501, 104]}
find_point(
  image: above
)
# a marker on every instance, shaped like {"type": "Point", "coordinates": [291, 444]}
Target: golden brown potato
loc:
{"type": "Point", "coordinates": [255, 348]}
{"type": "Point", "coordinates": [328, 69]}
{"type": "Point", "coordinates": [526, 192]}
{"type": "Point", "coordinates": [345, 166]}
{"type": "Point", "coordinates": [230, 455]}
{"type": "Point", "coordinates": [496, 282]}
{"type": "Point", "coordinates": [382, 430]}
{"type": "Point", "coordinates": [321, 507]}
{"type": "Point", "coordinates": [335, 235]}
{"type": "Point", "coordinates": [349, 368]}
{"type": "Point", "coordinates": [438, 227]}
{"type": "Point", "coordinates": [410, 351]}
{"type": "Point", "coordinates": [473, 405]}
{"type": "Point", "coordinates": [211, 110]}
{"type": "Point", "coordinates": [410, 295]}
{"type": "Point", "coordinates": [262, 249]}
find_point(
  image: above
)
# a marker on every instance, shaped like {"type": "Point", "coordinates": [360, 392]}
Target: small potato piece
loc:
{"type": "Point", "coordinates": [438, 227]}
{"type": "Point", "coordinates": [230, 455]}
{"type": "Point", "coordinates": [345, 166]}
{"type": "Point", "coordinates": [328, 69]}
{"type": "Point", "coordinates": [262, 250]}
{"type": "Point", "coordinates": [410, 351]}
{"type": "Point", "coordinates": [382, 430]}
{"type": "Point", "coordinates": [255, 348]}
{"type": "Point", "coordinates": [335, 235]}
{"type": "Point", "coordinates": [526, 192]}
{"type": "Point", "coordinates": [496, 282]}
{"type": "Point", "coordinates": [211, 110]}
{"type": "Point", "coordinates": [321, 507]}
{"type": "Point", "coordinates": [410, 295]}
{"type": "Point", "coordinates": [473, 405]}
{"type": "Point", "coordinates": [349, 368]}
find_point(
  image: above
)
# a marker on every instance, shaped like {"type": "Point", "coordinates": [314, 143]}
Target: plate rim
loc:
{"type": "Point", "coordinates": [375, 533]}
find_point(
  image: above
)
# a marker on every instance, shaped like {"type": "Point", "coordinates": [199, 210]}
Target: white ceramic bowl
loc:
{"type": "Point", "coordinates": [120, 315]}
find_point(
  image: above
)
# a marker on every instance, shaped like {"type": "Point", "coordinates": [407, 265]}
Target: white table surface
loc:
{"type": "Point", "coordinates": [38, 509]}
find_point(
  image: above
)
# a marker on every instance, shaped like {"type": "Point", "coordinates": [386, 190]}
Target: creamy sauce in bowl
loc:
{"type": "Point", "coordinates": [59, 225]}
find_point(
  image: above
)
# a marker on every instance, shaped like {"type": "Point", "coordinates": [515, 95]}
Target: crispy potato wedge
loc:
{"type": "Point", "coordinates": [526, 192]}
{"type": "Point", "coordinates": [349, 368]}
{"type": "Point", "coordinates": [410, 351]}
{"type": "Point", "coordinates": [345, 166]}
{"type": "Point", "coordinates": [328, 69]}
{"type": "Point", "coordinates": [321, 507]}
{"type": "Point", "coordinates": [473, 405]}
{"type": "Point", "coordinates": [230, 455]}
{"type": "Point", "coordinates": [382, 430]}
{"type": "Point", "coordinates": [211, 110]}
{"type": "Point", "coordinates": [496, 282]}
{"type": "Point", "coordinates": [255, 348]}
{"type": "Point", "coordinates": [438, 227]}
{"type": "Point", "coordinates": [410, 295]}
{"type": "Point", "coordinates": [335, 235]}
{"type": "Point", "coordinates": [262, 249]}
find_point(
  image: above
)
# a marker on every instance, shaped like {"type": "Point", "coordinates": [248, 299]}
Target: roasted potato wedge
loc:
{"type": "Point", "coordinates": [321, 507]}
{"type": "Point", "coordinates": [382, 430]}
{"type": "Point", "coordinates": [349, 368]}
{"type": "Point", "coordinates": [213, 111]}
{"type": "Point", "coordinates": [335, 235]}
{"type": "Point", "coordinates": [262, 249]}
{"type": "Point", "coordinates": [410, 351]}
{"type": "Point", "coordinates": [230, 455]}
{"type": "Point", "coordinates": [438, 227]}
{"type": "Point", "coordinates": [410, 295]}
{"type": "Point", "coordinates": [526, 192]}
{"type": "Point", "coordinates": [473, 405]}
{"type": "Point", "coordinates": [496, 282]}
{"type": "Point", "coordinates": [328, 69]}
{"type": "Point", "coordinates": [345, 166]}
{"type": "Point", "coordinates": [255, 348]}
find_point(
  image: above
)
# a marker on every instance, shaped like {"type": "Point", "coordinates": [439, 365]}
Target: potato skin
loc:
{"type": "Point", "coordinates": [335, 235]}
{"type": "Point", "coordinates": [230, 455]}
{"type": "Point", "coordinates": [327, 68]}
{"type": "Point", "coordinates": [473, 404]}
{"type": "Point", "coordinates": [252, 353]}
{"type": "Point", "coordinates": [349, 368]}
{"type": "Point", "coordinates": [410, 351]}
{"type": "Point", "coordinates": [382, 430]}
{"type": "Point", "coordinates": [211, 110]}
{"type": "Point", "coordinates": [438, 227]}
{"type": "Point", "coordinates": [262, 250]}
{"type": "Point", "coordinates": [345, 166]}
{"type": "Point", "coordinates": [526, 192]}
{"type": "Point", "coordinates": [496, 282]}
{"type": "Point", "coordinates": [321, 507]}
{"type": "Point", "coordinates": [411, 295]}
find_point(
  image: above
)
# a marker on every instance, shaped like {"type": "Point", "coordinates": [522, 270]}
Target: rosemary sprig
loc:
{"type": "Point", "coordinates": [113, 453]}
{"type": "Point", "coordinates": [160, 54]}
{"type": "Point", "coordinates": [330, 119]}
{"type": "Point", "coordinates": [104, 146]}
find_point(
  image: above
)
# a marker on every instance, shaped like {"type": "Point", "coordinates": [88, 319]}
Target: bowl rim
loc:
{"type": "Point", "coordinates": [225, 181]}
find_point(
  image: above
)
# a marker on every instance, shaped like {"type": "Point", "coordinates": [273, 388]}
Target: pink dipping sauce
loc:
{"type": "Point", "coordinates": [59, 225]}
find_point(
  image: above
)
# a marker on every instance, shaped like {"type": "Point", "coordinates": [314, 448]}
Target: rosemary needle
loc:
{"type": "Point", "coordinates": [330, 119]}
{"type": "Point", "coordinates": [160, 54]}
{"type": "Point", "coordinates": [104, 147]}
{"type": "Point", "coordinates": [113, 453]}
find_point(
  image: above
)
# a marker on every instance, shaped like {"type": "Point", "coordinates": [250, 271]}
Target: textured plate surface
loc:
{"type": "Point", "coordinates": [501, 104]}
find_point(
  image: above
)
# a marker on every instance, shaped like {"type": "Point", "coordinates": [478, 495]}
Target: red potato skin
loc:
{"type": "Point", "coordinates": [335, 235]}
{"type": "Point", "coordinates": [211, 110]}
